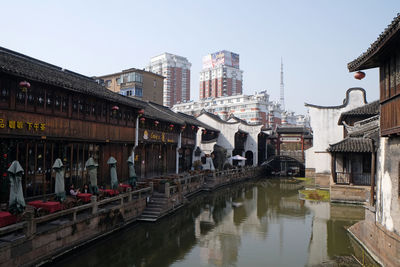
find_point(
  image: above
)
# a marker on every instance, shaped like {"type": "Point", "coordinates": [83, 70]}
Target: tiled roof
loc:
{"type": "Point", "coordinates": [353, 144]}
{"type": "Point", "coordinates": [367, 59]}
{"type": "Point", "coordinates": [32, 69]}
{"type": "Point", "coordinates": [216, 117]}
{"type": "Point", "coordinates": [193, 121]}
{"type": "Point", "coordinates": [364, 111]}
{"type": "Point", "coordinates": [159, 112]}
{"type": "Point", "coordinates": [292, 129]}
{"type": "Point", "coordinates": [231, 116]}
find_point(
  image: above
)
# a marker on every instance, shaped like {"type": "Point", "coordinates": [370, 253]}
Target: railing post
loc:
{"type": "Point", "coordinates": [151, 187]}
{"type": "Point", "coordinates": [30, 220]}
{"type": "Point", "coordinates": [167, 193]}
{"type": "Point", "coordinates": [130, 194]}
{"type": "Point", "coordinates": [93, 200]}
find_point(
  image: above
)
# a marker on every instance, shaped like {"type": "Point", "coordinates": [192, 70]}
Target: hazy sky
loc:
{"type": "Point", "coordinates": [315, 38]}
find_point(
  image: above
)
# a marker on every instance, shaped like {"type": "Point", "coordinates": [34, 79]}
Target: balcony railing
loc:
{"type": "Point", "coordinates": [354, 178]}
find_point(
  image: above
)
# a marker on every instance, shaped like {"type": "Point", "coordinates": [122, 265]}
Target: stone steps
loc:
{"type": "Point", "coordinates": [154, 208]}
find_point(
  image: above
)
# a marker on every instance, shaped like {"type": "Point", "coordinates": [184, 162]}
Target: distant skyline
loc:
{"type": "Point", "coordinates": [316, 39]}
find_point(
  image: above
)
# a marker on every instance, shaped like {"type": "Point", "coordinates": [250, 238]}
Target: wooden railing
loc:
{"type": "Point", "coordinates": [353, 178]}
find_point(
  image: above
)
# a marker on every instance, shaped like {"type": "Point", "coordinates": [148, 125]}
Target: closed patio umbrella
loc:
{"type": "Point", "coordinates": [92, 166]}
{"type": "Point", "coordinates": [113, 172]}
{"type": "Point", "coordinates": [59, 186]}
{"type": "Point", "coordinates": [132, 173]}
{"type": "Point", "coordinates": [238, 157]}
{"type": "Point", "coordinates": [16, 202]}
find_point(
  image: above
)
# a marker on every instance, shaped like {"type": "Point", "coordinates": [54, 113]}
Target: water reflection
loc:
{"type": "Point", "coordinates": [253, 224]}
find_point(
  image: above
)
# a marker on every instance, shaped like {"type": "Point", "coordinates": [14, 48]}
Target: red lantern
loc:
{"type": "Point", "coordinates": [141, 112]}
{"type": "Point", "coordinates": [171, 126]}
{"type": "Point", "coordinates": [5, 156]}
{"type": "Point", "coordinates": [142, 120]}
{"type": "Point", "coordinates": [183, 127]}
{"type": "Point", "coordinates": [359, 75]}
{"type": "Point", "coordinates": [204, 131]}
{"type": "Point", "coordinates": [115, 109]}
{"type": "Point", "coordinates": [4, 174]}
{"type": "Point", "coordinates": [24, 85]}
{"type": "Point", "coordinates": [156, 123]}
{"type": "Point", "coordinates": [193, 127]}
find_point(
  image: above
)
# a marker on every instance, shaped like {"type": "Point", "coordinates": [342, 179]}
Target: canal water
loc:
{"type": "Point", "coordinates": [259, 223]}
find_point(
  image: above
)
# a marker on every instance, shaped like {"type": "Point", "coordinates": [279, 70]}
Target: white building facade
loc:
{"type": "Point", "coordinates": [226, 137]}
{"type": "Point", "coordinates": [176, 70]}
{"type": "Point", "coordinates": [324, 123]}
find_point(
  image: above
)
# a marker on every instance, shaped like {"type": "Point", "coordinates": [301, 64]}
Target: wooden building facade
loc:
{"type": "Point", "coordinates": [47, 112]}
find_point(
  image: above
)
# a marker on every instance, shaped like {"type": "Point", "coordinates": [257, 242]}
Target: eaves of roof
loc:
{"type": "Point", "coordinates": [371, 58]}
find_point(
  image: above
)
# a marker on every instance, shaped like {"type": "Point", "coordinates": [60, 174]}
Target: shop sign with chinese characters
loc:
{"type": "Point", "coordinates": [21, 125]}
{"type": "Point", "coordinates": [156, 136]}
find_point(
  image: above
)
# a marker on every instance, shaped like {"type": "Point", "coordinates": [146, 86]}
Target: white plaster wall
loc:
{"type": "Point", "coordinates": [387, 184]}
{"type": "Point", "coordinates": [226, 137]}
{"type": "Point", "coordinates": [324, 122]}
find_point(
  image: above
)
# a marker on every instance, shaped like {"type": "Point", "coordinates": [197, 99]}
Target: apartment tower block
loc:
{"type": "Point", "coordinates": [176, 70]}
{"type": "Point", "coordinates": [220, 75]}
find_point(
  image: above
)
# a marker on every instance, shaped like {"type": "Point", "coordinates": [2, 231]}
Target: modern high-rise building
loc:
{"type": "Point", "coordinates": [176, 70]}
{"type": "Point", "coordinates": [220, 75]}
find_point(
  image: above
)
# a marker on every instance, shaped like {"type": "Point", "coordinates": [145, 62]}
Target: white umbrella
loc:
{"type": "Point", "coordinates": [238, 157]}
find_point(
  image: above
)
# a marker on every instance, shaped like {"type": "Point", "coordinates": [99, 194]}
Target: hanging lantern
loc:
{"type": "Point", "coordinates": [171, 126]}
{"type": "Point", "coordinates": [359, 75]}
{"type": "Point", "coordinates": [204, 131]}
{"type": "Point", "coordinates": [156, 123]}
{"type": "Point", "coordinates": [183, 127]}
{"type": "Point", "coordinates": [115, 109]}
{"type": "Point", "coordinates": [4, 174]}
{"type": "Point", "coordinates": [5, 156]}
{"type": "Point", "coordinates": [193, 127]}
{"type": "Point", "coordinates": [24, 85]}
{"type": "Point", "coordinates": [142, 120]}
{"type": "Point", "coordinates": [141, 112]}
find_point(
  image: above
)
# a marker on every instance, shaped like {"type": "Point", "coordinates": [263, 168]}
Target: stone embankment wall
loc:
{"type": "Point", "coordinates": [381, 244]}
{"type": "Point", "coordinates": [37, 239]}
{"type": "Point", "coordinates": [350, 194]}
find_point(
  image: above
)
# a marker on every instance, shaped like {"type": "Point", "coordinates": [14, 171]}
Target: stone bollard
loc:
{"type": "Point", "coordinates": [93, 200]}
{"type": "Point", "coordinates": [167, 189]}
{"type": "Point", "coordinates": [30, 220]}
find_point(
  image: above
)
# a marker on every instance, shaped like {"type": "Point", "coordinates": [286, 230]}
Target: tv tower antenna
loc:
{"type": "Point", "coordinates": [282, 99]}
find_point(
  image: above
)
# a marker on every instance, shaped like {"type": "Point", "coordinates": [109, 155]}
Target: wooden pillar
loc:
{"type": "Point", "coordinates": [372, 198]}
{"type": "Point", "coordinates": [278, 145]}
{"type": "Point", "coordinates": [44, 171]}
{"type": "Point", "coordinates": [26, 167]}
{"type": "Point", "coordinates": [333, 166]}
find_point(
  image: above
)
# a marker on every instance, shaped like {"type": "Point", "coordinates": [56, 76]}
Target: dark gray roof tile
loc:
{"type": "Point", "coordinates": [354, 145]}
